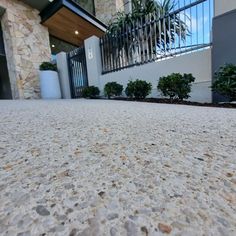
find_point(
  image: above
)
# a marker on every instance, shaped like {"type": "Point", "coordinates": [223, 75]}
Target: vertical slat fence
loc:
{"type": "Point", "coordinates": [158, 35]}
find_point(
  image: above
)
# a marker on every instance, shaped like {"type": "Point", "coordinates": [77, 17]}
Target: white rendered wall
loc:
{"type": "Point", "coordinates": [197, 63]}
{"type": "Point", "coordinates": [63, 72]}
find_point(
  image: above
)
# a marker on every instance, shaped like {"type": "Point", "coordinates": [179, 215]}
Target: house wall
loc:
{"type": "Point", "coordinates": [223, 40]}
{"type": "Point", "coordinates": [26, 45]}
{"type": "Point", "coordinates": [197, 63]}
{"type": "Point", "coordinates": [224, 50]}
{"type": "Point", "coordinates": [223, 6]}
{"type": "Point", "coordinates": [105, 10]}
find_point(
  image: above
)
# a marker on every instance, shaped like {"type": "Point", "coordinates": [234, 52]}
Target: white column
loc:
{"type": "Point", "coordinates": [63, 72]}
{"type": "Point", "coordinates": [94, 62]}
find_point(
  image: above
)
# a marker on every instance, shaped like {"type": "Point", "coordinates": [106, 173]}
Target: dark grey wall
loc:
{"type": "Point", "coordinates": [5, 88]}
{"type": "Point", "coordinates": [2, 51]}
{"type": "Point", "coordinates": [224, 43]}
{"type": "Point", "coordinates": [2, 10]}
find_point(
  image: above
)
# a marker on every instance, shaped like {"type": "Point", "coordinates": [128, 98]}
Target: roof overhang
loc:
{"type": "Point", "coordinates": [65, 18]}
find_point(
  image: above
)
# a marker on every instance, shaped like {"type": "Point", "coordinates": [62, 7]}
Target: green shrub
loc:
{"type": "Point", "coordinates": [48, 66]}
{"type": "Point", "coordinates": [176, 86]}
{"type": "Point", "coordinates": [138, 89]}
{"type": "Point", "coordinates": [90, 92]}
{"type": "Point", "coordinates": [225, 83]}
{"type": "Point", "coordinates": [113, 89]}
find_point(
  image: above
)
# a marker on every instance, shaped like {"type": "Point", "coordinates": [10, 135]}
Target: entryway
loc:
{"type": "Point", "coordinates": [5, 87]}
{"type": "Point", "coordinates": [78, 71]}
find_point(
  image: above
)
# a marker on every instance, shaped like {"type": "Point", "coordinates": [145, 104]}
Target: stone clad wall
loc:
{"type": "Point", "coordinates": [26, 45]}
{"type": "Point", "coordinates": [105, 10]}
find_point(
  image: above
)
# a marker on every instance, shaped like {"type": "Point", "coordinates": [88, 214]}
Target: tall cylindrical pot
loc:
{"type": "Point", "coordinates": [49, 84]}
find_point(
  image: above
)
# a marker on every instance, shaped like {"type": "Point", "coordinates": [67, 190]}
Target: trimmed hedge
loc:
{"type": "Point", "coordinates": [176, 86]}
{"type": "Point", "coordinates": [138, 89]}
{"type": "Point", "coordinates": [225, 81]}
{"type": "Point", "coordinates": [90, 92]}
{"type": "Point", "coordinates": [113, 89]}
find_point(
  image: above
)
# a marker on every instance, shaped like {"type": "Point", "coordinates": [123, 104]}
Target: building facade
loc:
{"type": "Point", "coordinates": [208, 46]}
{"type": "Point", "coordinates": [33, 31]}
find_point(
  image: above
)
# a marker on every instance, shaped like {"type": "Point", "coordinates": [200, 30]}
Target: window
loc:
{"type": "Point", "coordinates": [88, 5]}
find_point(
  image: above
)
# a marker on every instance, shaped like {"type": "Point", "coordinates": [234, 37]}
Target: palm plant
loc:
{"type": "Point", "coordinates": [151, 28]}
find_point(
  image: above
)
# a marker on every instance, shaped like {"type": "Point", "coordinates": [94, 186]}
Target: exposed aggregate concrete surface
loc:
{"type": "Point", "coordinates": [97, 168]}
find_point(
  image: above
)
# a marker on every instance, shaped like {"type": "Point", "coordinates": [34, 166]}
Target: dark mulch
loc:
{"type": "Point", "coordinates": [178, 102]}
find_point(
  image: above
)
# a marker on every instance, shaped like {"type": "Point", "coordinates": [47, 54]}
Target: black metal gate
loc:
{"type": "Point", "coordinates": [78, 71]}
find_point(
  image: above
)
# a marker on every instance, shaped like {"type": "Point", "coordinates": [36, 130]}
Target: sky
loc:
{"type": "Point", "coordinates": [198, 20]}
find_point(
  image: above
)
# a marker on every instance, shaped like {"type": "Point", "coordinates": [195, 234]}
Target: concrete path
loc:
{"type": "Point", "coordinates": [94, 167]}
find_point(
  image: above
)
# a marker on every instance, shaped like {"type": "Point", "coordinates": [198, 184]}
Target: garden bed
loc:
{"type": "Point", "coordinates": [168, 101]}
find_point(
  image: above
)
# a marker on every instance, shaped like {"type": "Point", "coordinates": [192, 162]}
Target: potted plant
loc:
{"type": "Point", "coordinates": [49, 81]}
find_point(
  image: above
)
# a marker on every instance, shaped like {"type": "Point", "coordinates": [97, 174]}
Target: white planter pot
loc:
{"type": "Point", "coordinates": [49, 84]}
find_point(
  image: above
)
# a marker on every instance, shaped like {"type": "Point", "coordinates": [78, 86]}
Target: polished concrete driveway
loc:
{"type": "Point", "coordinates": [95, 167]}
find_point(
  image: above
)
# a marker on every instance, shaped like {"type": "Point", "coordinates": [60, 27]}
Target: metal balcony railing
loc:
{"type": "Point", "coordinates": [159, 35]}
